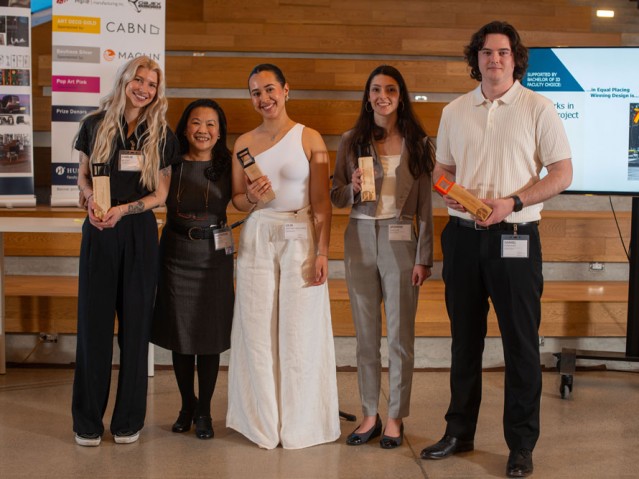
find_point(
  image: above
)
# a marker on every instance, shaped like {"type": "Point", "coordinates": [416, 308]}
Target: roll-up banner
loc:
{"type": "Point", "coordinates": [16, 130]}
{"type": "Point", "coordinates": [91, 40]}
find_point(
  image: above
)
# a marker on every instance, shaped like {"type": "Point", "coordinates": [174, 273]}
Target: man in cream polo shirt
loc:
{"type": "Point", "coordinates": [494, 141]}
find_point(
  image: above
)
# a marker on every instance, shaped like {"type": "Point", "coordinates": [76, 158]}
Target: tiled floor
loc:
{"type": "Point", "coordinates": [594, 434]}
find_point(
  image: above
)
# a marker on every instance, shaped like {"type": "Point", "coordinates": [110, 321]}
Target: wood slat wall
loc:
{"type": "Point", "coordinates": [566, 236]}
{"type": "Point", "coordinates": [434, 27]}
{"type": "Point", "coordinates": [430, 31]}
{"type": "Point", "coordinates": [336, 74]}
{"type": "Point", "coordinates": [568, 308]}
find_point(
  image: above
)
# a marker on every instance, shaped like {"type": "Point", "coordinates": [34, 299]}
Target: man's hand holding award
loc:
{"type": "Point", "coordinates": [462, 196]}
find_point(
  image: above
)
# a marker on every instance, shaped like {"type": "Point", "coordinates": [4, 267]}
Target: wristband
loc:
{"type": "Point", "coordinates": [249, 199]}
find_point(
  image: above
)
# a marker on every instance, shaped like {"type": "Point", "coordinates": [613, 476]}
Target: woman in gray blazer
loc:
{"type": "Point", "coordinates": [388, 244]}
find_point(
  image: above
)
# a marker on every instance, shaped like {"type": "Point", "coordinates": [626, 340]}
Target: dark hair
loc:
{"type": "Point", "coordinates": [221, 155]}
{"type": "Point", "coordinates": [421, 155]}
{"type": "Point", "coordinates": [269, 67]}
{"type": "Point", "coordinates": [477, 41]}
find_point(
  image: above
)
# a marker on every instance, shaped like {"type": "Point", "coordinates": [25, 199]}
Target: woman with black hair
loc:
{"type": "Point", "coordinates": [194, 305]}
{"type": "Point", "coordinates": [386, 260]}
{"type": "Point", "coordinates": [282, 381]}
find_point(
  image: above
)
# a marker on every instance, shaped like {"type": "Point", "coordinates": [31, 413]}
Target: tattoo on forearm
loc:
{"type": "Point", "coordinates": [134, 208]}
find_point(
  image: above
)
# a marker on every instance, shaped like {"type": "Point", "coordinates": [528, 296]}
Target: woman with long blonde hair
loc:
{"type": "Point", "coordinates": [130, 140]}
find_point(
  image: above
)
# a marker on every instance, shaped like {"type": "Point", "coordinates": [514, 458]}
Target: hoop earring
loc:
{"type": "Point", "coordinates": [367, 105]}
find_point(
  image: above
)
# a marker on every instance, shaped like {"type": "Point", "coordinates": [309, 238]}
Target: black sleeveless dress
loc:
{"type": "Point", "coordinates": [194, 304]}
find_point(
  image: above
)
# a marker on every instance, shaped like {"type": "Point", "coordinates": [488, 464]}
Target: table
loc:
{"type": "Point", "coordinates": [36, 225]}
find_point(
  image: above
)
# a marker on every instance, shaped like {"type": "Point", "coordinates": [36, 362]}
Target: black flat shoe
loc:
{"type": "Point", "coordinates": [447, 446]}
{"type": "Point", "coordinates": [204, 427]}
{"type": "Point", "coordinates": [359, 438]}
{"type": "Point", "coordinates": [183, 422]}
{"type": "Point", "coordinates": [390, 442]}
{"type": "Point", "coordinates": [520, 463]}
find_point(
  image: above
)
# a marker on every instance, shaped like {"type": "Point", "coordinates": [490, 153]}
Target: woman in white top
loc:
{"type": "Point", "coordinates": [386, 260]}
{"type": "Point", "coordinates": [282, 379]}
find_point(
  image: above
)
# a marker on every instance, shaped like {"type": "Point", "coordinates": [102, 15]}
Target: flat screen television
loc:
{"type": "Point", "coordinates": [596, 93]}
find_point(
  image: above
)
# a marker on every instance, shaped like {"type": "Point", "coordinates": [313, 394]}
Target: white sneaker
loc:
{"type": "Point", "coordinates": [126, 437]}
{"type": "Point", "coordinates": [88, 440]}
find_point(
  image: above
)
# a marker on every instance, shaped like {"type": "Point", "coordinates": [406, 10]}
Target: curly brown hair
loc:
{"type": "Point", "coordinates": [520, 52]}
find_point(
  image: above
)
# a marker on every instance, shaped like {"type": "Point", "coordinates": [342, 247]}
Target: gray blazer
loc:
{"type": "Point", "coordinates": [413, 197]}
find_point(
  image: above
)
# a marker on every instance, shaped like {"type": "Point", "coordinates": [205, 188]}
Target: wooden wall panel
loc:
{"type": "Point", "coordinates": [568, 309]}
{"type": "Point", "coordinates": [328, 117]}
{"type": "Point", "coordinates": [559, 244]}
{"type": "Point", "coordinates": [434, 76]}
{"type": "Point", "coordinates": [381, 40]}
{"type": "Point", "coordinates": [434, 13]}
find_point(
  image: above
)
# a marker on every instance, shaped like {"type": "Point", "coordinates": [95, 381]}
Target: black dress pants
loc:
{"type": "Point", "coordinates": [473, 272]}
{"type": "Point", "coordinates": [118, 275]}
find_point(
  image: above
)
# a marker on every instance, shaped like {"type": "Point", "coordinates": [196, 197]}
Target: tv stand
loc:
{"type": "Point", "coordinates": [566, 360]}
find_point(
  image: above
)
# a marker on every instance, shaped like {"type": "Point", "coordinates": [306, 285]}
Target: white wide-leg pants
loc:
{"type": "Point", "coordinates": [282, 378]}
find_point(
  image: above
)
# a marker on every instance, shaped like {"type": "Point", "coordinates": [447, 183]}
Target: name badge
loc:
{"type": "Point", "coordinates": [131, 160]}
{"type": "Point", "coordinates": [400, 232]}
{"type": "Point", "coordinates": [295, 231]}
{"type": "Point", "coordinates": [514, 246]}
{"type": "Point", "coordinates": [224, 240]}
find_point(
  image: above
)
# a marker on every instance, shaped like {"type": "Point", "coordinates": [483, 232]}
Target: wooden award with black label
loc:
{"type": "Point", "coordinates": [253, 172]}
{"type": "Point", "coordinates": [100, 173]}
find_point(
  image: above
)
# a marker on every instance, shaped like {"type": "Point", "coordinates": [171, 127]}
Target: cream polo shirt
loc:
{"type": "Point", "coordinates": [499, 148]}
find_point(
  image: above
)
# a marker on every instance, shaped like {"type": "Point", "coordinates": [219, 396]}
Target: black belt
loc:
{"type": "Point", "coordinates": [503, 226]}
{"type": "Point", "coordinates": [195, 232]}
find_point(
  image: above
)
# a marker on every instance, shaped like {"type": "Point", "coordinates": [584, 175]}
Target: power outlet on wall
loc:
{"type": "Point", "coordinates": [48, 337]}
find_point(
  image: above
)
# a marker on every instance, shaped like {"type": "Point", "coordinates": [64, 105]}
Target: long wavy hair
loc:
{"type": "Point", "coordinates": [220, 154]}
{"type": "Point", "coordinates": [421, 155]}
{"type": "Point", "coordinates": [477, 41]}
{"type": "Point", "coordinates": [153, 116]}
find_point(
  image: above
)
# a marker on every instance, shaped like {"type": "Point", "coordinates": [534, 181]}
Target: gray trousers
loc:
{"type": "Point", "coordinates": [380, 270]}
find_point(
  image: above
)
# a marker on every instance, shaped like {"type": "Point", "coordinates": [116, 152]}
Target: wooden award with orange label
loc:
{"type": "Point", "coordinates": [253, 172]}
{"type": "Point", "coordinates": [469, 201]}
{"type": "Point", "coordinates": [100, 173]}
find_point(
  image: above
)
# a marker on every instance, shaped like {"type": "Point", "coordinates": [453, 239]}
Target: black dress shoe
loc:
{"type": "Point", "coordinates": [447, 446]}
{"type": "Point", "coordinates": [204, 427]}
{"type": "Point", "coordinates": [520, 463]}
{"type": "Point", "coordinates": [390, 442]}
{"type": "Point", "coordinates": [183, 422]}
{"type": "Point", "coordinates": [359, 438]}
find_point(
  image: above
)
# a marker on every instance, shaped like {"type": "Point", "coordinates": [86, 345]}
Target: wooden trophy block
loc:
{"type": "Point", "coordinates": [101, 189]}
{"type": "Point", "coordinates": [465, 198]}
{"type": "Point", "coordinates": [365, 164]}
{"type": "Point", "coordinates": [253, 172]}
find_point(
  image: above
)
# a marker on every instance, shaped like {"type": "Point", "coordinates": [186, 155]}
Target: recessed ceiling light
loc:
{"type": "Point", "coordinates": [606, 13]}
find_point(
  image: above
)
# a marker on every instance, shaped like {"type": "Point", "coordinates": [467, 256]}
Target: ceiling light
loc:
{"type": "Point", "coordinates": [605, 13]}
